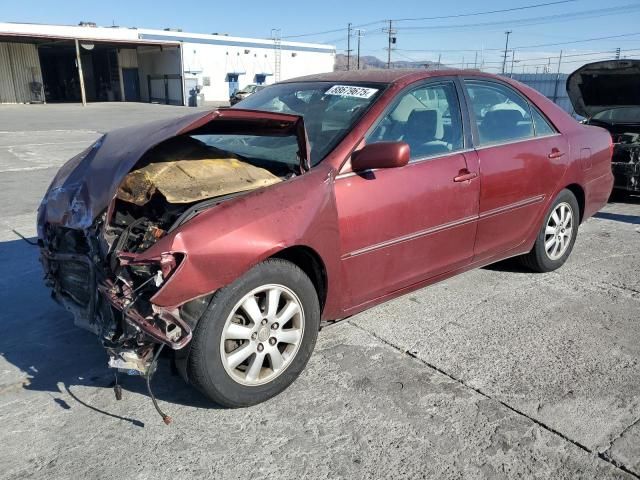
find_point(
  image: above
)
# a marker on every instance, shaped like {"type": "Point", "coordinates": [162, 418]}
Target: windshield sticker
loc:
{"type": "Point", "coordinates": [351, 91]}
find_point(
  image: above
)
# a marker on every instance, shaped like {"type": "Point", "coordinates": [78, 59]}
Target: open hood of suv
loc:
{"type": "Point", "coordinates": [603, 85]}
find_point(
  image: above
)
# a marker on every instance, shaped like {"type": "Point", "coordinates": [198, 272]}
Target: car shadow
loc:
{"type": "Point", "coordinates": [631, 219]}
{"type": "Point", "coordinates": [510, 265]}
{"type": "Point", "coordinates": [51, 355]}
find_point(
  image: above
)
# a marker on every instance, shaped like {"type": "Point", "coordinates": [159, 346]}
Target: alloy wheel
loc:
{"type": "Point", "coordinates": [262, 335]}
{"type": "Point", "coordinates": [559, 231]}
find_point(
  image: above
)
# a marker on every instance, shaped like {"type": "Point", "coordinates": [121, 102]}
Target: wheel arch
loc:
{"type": "Point", "coordinates": [311, 263]}
{"type": "Point", "coordinates": [578, 191]}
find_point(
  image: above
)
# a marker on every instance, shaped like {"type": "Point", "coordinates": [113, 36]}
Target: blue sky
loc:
{"type": "Point", "coordinates": [452, 38]}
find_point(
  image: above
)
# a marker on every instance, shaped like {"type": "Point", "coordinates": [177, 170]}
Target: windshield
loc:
{"type": "Point", "coordinates": [248, 89]}
{"type": "Point", "coordinates": [329, 110]}
{"type": "Point", "coordinates": [278, 154]}
{"type": "Point", "coordinates": [619, 115]}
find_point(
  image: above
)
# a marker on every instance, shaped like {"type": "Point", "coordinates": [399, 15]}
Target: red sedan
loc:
{"type": "Point", "coordinates": [230, 236]}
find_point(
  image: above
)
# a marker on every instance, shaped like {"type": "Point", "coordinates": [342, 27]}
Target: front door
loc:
{"type": "Point", "coordinates": [403, 225]}
{"type": "Point", "coordinates": [519, 154]}
{"type": "Point", "coordinates": [232, 78]}
{"type": "Point", "coordinates": [131, 82]}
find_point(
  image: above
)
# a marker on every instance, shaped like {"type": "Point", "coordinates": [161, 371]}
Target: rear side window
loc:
{"type": "Point", "coordinates": [541, 124]}
{"type": "Point", "coordinates": [428, 118]}
{"type": "Point", "coordinates": [500, 113]}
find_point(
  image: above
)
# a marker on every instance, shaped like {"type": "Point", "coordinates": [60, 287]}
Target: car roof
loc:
{"type": "Point", "coordinates": [399, 76]}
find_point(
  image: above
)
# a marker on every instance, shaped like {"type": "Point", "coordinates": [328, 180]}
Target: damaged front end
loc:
{"type": "Point", "coordinates": [607, 94]}
{"type": "Point", "coordinates": [113, 202]}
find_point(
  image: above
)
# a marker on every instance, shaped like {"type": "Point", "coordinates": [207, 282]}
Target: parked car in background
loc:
{"type": "Point", "coordinates": [608, 95]}
{"type": "Point", "coordinates": [231, 236]}
{"type": "Point", "coordinates": [244, 93]}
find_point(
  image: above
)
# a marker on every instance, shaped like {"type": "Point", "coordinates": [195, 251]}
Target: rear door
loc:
{"type": "Point", "coordinates": [403, 225]}
{"type": "Point", "coordinates": [521, 160]}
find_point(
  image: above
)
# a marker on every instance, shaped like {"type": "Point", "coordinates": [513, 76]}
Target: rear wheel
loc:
{"type": "Point", "coordinates": [557, 235]}
{"type": "Point", "coordinates": [256, 335]}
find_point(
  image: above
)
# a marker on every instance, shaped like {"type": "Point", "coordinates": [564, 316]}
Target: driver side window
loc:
{"type": "Point", "coordinates": [427, 118]}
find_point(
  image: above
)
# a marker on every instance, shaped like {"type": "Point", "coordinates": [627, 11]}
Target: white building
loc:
{"type": "Point", "coordinates": [57, 63]}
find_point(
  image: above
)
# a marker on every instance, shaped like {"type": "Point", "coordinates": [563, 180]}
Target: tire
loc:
{"type": "Point", "coordinates": [541, 258]}
{"type": "Point", "coordinates": [232, 328]}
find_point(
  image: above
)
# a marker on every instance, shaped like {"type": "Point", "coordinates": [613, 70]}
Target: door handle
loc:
{"type": "Point", "coordinates": [465, 175]}
{"type": "Point", "coordinates": [555, 153]}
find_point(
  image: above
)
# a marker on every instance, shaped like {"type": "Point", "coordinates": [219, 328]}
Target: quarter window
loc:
{"type": "Point", "coordinates": [428, 118]}
{"type": "Point", "coordinates": [541, 124]}
{"type": "Point", "coordinates": [500, 113]}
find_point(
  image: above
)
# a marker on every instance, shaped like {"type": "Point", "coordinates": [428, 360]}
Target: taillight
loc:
{"type": "Point", "coordinates": [611, 147]}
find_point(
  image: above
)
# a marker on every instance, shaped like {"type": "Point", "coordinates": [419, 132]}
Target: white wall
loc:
{"type": "Point", "coordinates": [213, 62]}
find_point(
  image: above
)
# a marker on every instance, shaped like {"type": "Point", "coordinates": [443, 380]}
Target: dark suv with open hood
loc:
{"type": "Point", "coordinates": [608, 95]}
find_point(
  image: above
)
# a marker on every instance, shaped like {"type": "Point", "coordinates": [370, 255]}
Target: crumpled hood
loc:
{"type": "Point", "coordinates": [603, 85]}
{"type": "Point", "coordinates": [85, 186]}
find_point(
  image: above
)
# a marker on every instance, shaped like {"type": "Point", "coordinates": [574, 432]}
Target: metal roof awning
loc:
{"type": "Point", "coordinates": [50, 39]}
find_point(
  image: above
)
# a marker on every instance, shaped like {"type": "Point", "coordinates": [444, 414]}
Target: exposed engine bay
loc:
{"type": "Point", "coordinates": [625, 162]}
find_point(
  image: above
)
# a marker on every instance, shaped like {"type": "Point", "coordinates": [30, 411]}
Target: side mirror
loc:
{"type": "Point", "coordinates": [380, 155]}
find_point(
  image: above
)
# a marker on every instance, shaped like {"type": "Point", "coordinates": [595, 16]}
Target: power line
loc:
{"type": "Point", "coordinates": [522, 47]}
{"type": "Point", "coordinates": [553, 57]}
{"type": "Point", "coordinates": [604, 55]}
{"type": "Point", "coordinates": [593, 39]}
{"type": "Point", "coordinates": [619, 10]}
{"type": "Point", "coordinates": [442, 17]}
{"type": "Point", "coordinates": [488, 12]}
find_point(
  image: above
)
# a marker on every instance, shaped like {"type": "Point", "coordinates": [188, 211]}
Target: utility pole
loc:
{"type": "Point", "coordinates": [359, 34]}
{"type": "Point", "coordinates": [391, 41]}
{"type": "Point", "coordinates": [506, 47]}
{"type": "Point", "coordinates": [618, 53]}
{"type": "Point", "coordinates": [475, 61]}
{"type": "Point", "coordinates": [555, 90]}
{"type": "Point", "coordinates": [349, 46]}
{"type": "Point", "coordinates": [513, 60]}
{"type": "Point", "coordinates": [277, 53]}
{"type": "Point", "coordinates": [83, 95]}
{"type": "Point", "coordinates": [439, 58]}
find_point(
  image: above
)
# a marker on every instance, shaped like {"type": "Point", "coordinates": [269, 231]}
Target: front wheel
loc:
{"type": "Point", "coordinates": [256, 336]}
{"type": "Point", "coordinates": [556, 236]}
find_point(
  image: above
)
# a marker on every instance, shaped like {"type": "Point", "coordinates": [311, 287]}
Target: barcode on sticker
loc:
{"type": "Point", "coordinates": [351, 91]}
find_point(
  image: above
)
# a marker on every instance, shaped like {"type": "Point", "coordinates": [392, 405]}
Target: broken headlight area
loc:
{"type": "Point", "coordinates": [130, 293]}
{"type": "Point", "coordinates": [109, 292]}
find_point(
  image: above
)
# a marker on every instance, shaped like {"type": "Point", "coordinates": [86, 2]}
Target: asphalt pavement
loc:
{"type": "Point", "coordinates": [497, 373]}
